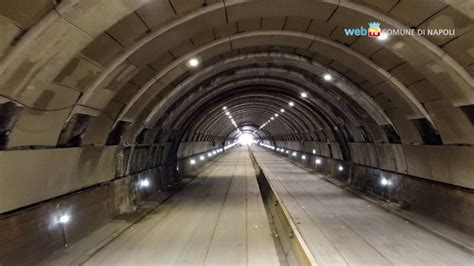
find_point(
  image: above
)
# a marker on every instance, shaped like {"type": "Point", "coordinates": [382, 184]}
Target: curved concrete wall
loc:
{"type": "Point", "coordinates": [446, 164]}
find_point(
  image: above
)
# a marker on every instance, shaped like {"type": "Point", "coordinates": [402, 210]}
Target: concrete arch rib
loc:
{"type": "Point", "coordinates": [300, 122]}
{"type": "Point", "coordinates": [226, 4]}
{"type": "Point", "coordinates": [363, 99]}
{"type": "Point", "coordinates": [242, 110]}
{"type": "Point", "coordinates": [416, 106]}
{"type": "Point", "coordinates": [270, 77]}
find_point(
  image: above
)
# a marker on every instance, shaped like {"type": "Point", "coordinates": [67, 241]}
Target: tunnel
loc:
{"type": "Point", "coordinates": [236, 132]}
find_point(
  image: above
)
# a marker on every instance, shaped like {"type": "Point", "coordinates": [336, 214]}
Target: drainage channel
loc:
{"type": "Point", "coordinates": [290, 246]}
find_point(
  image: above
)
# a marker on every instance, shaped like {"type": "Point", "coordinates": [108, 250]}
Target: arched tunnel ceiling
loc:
{"type": "Point", "coordinates": [105, 104]}
{"type": "Point", "coordinates": [126, 61]}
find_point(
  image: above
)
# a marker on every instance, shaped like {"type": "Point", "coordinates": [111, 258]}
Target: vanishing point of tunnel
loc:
{"type": "Point", "coordinates": [237, 132]}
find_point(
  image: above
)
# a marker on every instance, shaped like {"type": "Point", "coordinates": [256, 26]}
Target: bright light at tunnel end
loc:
{"type": "Point", "coordinates": [246, 139]}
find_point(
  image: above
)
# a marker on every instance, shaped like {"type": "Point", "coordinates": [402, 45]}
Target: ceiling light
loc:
{"type": "Point", "coordinates": [327, 77]}
{"type": "Point", "coordinates": [291, 103]}
{"type": "Point", "coordinates": [318, 161]}
{"type": "Point", "coordinates": [382, 37]}
{"type": "Point", "coordinates": [282, 110]}
{"type": "Point", "coordinates": [202, 158]}
{"type": "Point", "coordinates": [303, 157]}
{"type": "Point", "coordinates": [193, 162]}
{"type": "Point", "coordinates": [227, 113]}
{"type": "Point", "coordinates": [276, 115]}
{"type": "Point", "coordinates": [272, 118]}
{"type": "Point", "coordinates": [294, 154]}
{"type": "Point", "coordinates": [144, 183]}
{"type": "Point", "coordinates": [63, 219]}
{"type": "Point", "coordinates": [224, 108]}
{"type": "Point", "coordinates": [193, 62]}
{"type": "Point", "coordinates": [385, 182]}
{"type": "Point", "coordinates": [304, 95]}
{"type": "Point", "coordinates": [340, 168]}
{"type": "Point", "coordinates": [314, 151]}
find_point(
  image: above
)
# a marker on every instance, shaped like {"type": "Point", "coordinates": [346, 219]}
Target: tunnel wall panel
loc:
{"type": "Point", "coordinates": [386, 157]}
{"type": "Point", "coordinates": [187, 149]}
{"type": "Point", "coordinates": [324, 149]}
{"type": "Point", "coordinates": [368, 180]}
{"type": "Point", "coordinates": [294, 145]}
{"type": "Point", "coordinates": [446, 164]}
{"type": "Point", "coordinates": [450, 206]}
{"type": "Point", "coordinates": [36, 232]}
{"type": "Point", "coordinates": [307, 146]}
{"type": "Point", "coordinates": [30, 176]}
{"type": "Point", "coordinates": [336, 151]}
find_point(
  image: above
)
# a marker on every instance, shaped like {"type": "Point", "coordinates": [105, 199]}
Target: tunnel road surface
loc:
{"type": "Point", "coordinates": [341, 228]}
{"type": "Point", "coordinates": [217, 219]}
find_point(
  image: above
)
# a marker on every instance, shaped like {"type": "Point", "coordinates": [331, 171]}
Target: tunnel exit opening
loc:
{"type": "Point", "coordinates": [246, 139]}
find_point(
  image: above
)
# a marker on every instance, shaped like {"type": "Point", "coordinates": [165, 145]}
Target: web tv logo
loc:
{"type": "Point", "coordinates": [373, 30]}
